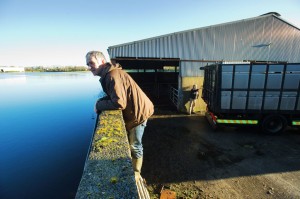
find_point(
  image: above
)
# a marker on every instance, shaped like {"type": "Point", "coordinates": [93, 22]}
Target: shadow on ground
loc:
{"type": "Point", "coordinates": [180, 148]}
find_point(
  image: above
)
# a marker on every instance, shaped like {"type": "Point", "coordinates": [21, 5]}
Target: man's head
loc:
{"type": "Point", "coordinates": [94, 60]}
{"type": "Point", "coordinates": [195, 86]}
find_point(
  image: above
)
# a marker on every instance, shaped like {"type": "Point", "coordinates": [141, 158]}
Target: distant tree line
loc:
{"type": "Point", "coordinates": [55, 69]}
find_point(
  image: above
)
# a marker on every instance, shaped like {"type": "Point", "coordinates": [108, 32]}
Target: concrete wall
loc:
{"type": "Point", "coordinates": [185, 86]}
{"type": "Point", "coordinates": [108, 172]}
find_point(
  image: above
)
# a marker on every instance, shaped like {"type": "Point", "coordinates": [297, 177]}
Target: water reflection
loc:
{"type": "Point", "coordinates": [46, 122]}
{"type": "Point", "coordinates": [6, 79]}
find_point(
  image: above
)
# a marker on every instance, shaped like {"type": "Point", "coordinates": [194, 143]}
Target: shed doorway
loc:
{"type": "Point", "coordinates": [155, 76]}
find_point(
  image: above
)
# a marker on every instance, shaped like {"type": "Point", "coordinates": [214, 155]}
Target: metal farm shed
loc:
{"type": "Point", "coordinates": [264, 38]}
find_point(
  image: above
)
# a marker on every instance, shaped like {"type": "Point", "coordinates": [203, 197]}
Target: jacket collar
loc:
{"type": "Point", "coordinates": [107, 68]}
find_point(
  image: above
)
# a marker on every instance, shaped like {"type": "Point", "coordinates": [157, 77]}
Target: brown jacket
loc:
{"type": "Point", "coordinates": [124, 94]}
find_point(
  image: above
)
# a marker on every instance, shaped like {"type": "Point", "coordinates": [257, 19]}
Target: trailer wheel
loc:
{"type": "Point", "coordinates": [274, 124]}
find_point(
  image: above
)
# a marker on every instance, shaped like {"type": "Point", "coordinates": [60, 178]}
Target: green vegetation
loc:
{"type": "Point", "coordinates": [56, 69]}
{"type": "Point", "coordinates": [114, 180]}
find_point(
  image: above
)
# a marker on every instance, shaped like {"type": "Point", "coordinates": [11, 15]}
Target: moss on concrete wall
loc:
{"type": "Point", "coordinates": [108, 170]}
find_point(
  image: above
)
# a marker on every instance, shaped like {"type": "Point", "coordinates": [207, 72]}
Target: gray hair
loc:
{"type": "Point", "coordinates": [97, 54]}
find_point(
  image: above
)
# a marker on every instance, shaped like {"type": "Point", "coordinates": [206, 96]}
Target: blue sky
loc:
{"type": "Point", "coordinates": [61, 32]}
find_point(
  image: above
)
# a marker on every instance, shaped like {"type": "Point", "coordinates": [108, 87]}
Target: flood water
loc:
{"type": "Point", "coordinates": [46, 123]}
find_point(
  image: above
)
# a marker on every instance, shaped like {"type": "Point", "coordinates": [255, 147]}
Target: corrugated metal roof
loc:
{"type": "Point", "coordinates": [263, 38]}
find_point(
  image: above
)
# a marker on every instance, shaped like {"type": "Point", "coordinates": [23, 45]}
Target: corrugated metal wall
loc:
{"type": "Point", "coordinates": [264, 38]}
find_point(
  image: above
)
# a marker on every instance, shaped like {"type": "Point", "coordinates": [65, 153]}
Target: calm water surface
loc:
{"type": "Point", "coordinates": [46, 123]}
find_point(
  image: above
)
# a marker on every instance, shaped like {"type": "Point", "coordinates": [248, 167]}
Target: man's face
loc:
{"type": "Point", "coordinates": [93, 65]}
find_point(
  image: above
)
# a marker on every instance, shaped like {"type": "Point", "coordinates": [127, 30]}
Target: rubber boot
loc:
{"type": "Point", "coordinates": [190, 110]}
{"type": "Point", "coordinates": [137, 167]}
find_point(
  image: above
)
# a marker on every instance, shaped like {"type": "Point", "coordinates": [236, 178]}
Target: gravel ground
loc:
{"type": "Point", "coordinates": [182, 153]}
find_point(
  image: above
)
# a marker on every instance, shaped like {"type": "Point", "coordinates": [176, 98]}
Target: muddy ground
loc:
{"type": "Point", "coordinates": [182, 153]}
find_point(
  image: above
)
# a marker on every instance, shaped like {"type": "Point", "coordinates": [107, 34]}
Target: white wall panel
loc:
{"type": "Point", "coordinates": [241, 40]}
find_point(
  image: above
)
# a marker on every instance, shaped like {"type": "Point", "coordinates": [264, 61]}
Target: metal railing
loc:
{"type": "Point", "coordinates": [174, 95]}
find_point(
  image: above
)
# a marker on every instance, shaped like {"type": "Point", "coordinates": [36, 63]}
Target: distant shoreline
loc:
{"type": "Point", "coordinates": [56, 69]}
{"type": "Point", "coordinates": [43, 69]}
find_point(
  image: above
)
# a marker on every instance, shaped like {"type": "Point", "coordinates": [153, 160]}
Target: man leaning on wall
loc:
{"type": "Point", "coordinates": [194, 95]}
{"type": "Point", "coordinates": [124, 94]}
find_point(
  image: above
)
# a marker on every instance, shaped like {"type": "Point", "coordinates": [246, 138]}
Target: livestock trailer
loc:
{"type": "Point", "coordinates": [253, 93]}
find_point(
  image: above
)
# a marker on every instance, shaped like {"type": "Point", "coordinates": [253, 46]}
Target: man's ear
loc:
{"type": "Point", "coordinates": [102, 61]}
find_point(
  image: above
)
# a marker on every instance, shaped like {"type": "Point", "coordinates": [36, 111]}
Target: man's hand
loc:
{"type": "Point", "coordinates": [95, 108]}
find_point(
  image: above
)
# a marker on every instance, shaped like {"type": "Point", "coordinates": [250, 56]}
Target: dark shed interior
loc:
{"type": "Point", "coordinates": [155, 76]}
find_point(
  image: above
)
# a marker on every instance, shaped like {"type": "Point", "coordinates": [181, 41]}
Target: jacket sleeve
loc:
{"type": "Point", "coordinates": [116, 91]}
